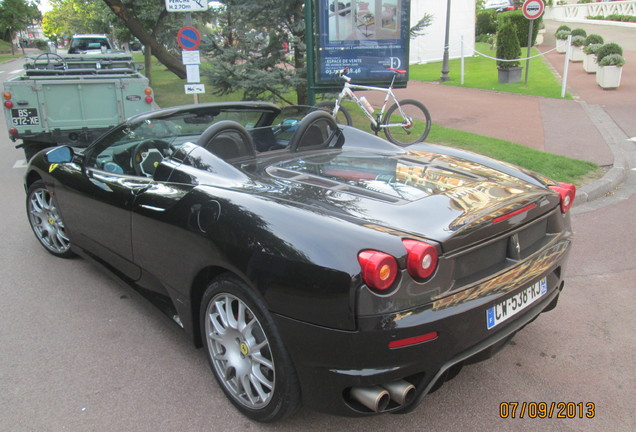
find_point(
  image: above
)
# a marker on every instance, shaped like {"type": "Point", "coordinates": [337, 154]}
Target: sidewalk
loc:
{"type": "Point", "coordinates": [593, 127]}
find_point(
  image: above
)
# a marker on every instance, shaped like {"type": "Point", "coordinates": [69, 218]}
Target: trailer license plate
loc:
{"type": "Point", "coordinates": [25, 117]}
{"type": "Point", "coordinates": [515, 304]}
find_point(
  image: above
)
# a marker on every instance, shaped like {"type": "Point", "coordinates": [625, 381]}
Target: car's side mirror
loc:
{"type": "Point", "coordinates": [62, 154]}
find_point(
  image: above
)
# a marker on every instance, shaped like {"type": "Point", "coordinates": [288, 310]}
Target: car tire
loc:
{"type": "Point", "coordinates": [246, 353]}
{"type": "Point", "coordinates": [46, 222]}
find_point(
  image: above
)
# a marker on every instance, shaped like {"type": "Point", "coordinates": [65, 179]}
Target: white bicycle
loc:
{"type": "Point", "coordinates": [406, 122]}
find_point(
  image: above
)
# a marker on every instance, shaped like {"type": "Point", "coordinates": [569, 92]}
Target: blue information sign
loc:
{"type": "Point", "coordinates": [367, 36]}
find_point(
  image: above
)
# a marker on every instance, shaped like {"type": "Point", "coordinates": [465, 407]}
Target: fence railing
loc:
{"type": "Point", "coordinates": [583, 10]}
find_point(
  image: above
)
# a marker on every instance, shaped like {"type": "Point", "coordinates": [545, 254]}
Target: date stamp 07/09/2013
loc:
{"type": "Point", "coordinates": [557, 410]}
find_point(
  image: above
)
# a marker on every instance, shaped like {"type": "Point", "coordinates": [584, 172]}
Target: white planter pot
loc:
{"type": "Point", "coordinates": [539, 39]}
{"type": "Point", "coordinates": [589, 63]}
{"type": "Point", "coordinates": [576, 54]}
{"type": "Point", "coordinates": [609, 77]}
{"type": "Point", "coordinates": [561, 45]}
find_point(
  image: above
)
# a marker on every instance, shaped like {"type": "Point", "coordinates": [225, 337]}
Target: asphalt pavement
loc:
{"type": "Point", "coordinates": [80, 352]}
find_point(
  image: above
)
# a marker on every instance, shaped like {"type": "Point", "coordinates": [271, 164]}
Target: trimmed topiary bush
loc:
{"type": "Point", "coordinates": [592, 48]}
{"type": "Point", "coordinates": [522, 24]}
{"type": "Point", "coordinates": [508, 47]}
{"type": "Point", "coordinates": [563, 28]}
{"type": "Point", "coordinates": [486, 22]}
{"type": "Point", "coordinates": [562, 34]}
{"type": "Point", "coordinates": [607, 49]}
{"type": "Point", "coordinates": [578, 41]}
{"type": "Point", "coordinates": [579, 32]}
{"type": "Point", "coordinates": [612, 60]}
{"type": "Point", "coordinates": [593, 39]}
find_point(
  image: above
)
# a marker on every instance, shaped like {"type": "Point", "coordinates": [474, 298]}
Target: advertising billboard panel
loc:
{"type": "Point", "coordinates": [367, 36]}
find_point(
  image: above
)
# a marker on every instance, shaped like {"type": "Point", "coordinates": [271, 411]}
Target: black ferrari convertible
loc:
{"type": "Point", "coordinates": [314, 262]}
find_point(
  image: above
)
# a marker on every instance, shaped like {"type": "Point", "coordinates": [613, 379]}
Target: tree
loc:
{"type": "Point", "coordinates": [16, 16]}
{"type": "Point", "coordinates": [258, 49]}
{"type": "Point", "coordinates": [144, 21]}
{"type": "Point", "coordinates": [68, 17]}
{"type": "Point", "coordinates": [508, 47]}
{"type": "Point", "coordinates": [419, 29]}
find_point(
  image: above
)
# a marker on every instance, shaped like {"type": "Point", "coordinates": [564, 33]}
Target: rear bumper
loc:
{"type": "Point", "coordinates": [330, 362]}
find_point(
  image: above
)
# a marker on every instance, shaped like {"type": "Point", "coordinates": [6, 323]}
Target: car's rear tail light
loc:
{"type": "Point", "coordinates": [421, 260]}
{"type": "Point", "coordinates": [413, 340]}
{"type": "Point", "coordinates": [7, 95]}
{"type": "Point", "coordinates": [148, 91]}
{"type": "Point", "coordinates": [8, 104]}
{"type": "Point", "coordinates": [379, 269]}
{"type": "Point", "coordinates": [567, 192]}
{"type": "Point", "coordinates": [148, 99]}
{"type": "Point", "coordinates": [13, 131]}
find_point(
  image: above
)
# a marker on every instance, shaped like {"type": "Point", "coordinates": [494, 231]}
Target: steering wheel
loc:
{"type": "Point", "coordinates": [147, 155]}
{"type": "Point", "coordinates": [49, 57]}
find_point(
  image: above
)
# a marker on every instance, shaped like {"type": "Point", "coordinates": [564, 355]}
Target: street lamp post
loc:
{"type": "Point", "coordinates": [445, 67]}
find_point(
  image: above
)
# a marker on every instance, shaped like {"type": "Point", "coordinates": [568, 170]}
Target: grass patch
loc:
{"type": "Point", "coordinates": [6, 57]}
{"type": "Point", "coordinates": [481, 72]}
{"type": "Point", "coordinates": [557, 167]}
{"type": "Point", "coordinates": [169, 91]}
{"type": "Point", "coordinates": [5, 52]}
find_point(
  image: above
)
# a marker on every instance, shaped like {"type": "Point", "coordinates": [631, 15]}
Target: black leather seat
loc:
{"type": "Point", "coordinates": [228, 140]}
{"type": "Point", "coordinates": [316, 130]}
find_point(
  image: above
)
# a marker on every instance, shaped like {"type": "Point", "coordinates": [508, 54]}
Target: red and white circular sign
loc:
{"type": "Point", "coordinates": [532, 9]}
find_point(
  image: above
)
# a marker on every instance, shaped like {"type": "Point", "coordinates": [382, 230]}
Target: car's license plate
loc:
{"type": "Point", "coordinates": [515, 304]}
{"type": "Point", "coordinates": [25, 117]}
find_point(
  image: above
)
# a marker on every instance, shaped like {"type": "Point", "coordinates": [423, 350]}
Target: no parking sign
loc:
{"type": "Point", "coordinates": [188, 38]}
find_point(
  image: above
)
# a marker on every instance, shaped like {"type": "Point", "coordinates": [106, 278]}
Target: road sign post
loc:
{"type": "Point", "coordinates": [189, 40]}
{"type": "Point", "coordinates": [532, 9]}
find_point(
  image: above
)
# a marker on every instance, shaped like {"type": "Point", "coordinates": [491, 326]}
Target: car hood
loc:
{"type": "Point", "coordinates": [451, 199]}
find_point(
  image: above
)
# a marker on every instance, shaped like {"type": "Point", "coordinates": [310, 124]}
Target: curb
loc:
{"type": "Point", "coordinates": [616, 140]}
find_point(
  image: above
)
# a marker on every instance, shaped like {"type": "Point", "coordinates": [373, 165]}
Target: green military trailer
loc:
{"type": "Point", "coordinates": [72, 99]}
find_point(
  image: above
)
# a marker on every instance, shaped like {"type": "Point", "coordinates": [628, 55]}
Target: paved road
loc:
{"type": "Point", "coordinates": [79, 352]}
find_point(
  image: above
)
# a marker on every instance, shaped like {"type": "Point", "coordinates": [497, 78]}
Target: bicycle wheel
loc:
{"type": "Point", "coordinates": [342, 117]}
{"type": "Point", "coordinates": [414, 127]}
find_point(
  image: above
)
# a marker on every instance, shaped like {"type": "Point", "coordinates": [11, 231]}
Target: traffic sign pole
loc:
{"type": "Point", "coordinates": [188, 37]}
{"type": "Point", "coordinates": [188, 23]}
{"type": "Point", "coordinates": [531, 29]}
{"type": "Point", "coordinates": [532, 9]}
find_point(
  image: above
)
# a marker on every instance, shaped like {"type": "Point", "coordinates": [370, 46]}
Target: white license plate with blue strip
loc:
{"type": "Point", "coordinates": [515, 304]}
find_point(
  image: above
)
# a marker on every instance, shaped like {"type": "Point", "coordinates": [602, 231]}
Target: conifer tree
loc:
{"type": "Point", "coordinates": [258, 49]}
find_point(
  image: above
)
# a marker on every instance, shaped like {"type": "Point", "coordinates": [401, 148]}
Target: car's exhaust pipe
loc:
{"type": "Point", "coordinates": [375, 398]}
{"type": "Point", "coordinates": [401, 392]}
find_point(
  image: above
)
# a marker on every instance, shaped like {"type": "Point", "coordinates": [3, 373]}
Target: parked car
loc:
{"type": "Point", "coordinates": [314, 262]}
{"type": "Point", "coordinates": [503, 5]}
{"type": "Point", "coordinates": [90, 44]}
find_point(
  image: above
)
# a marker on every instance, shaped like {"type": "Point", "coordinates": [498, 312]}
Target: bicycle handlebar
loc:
{"type": "Point", "coordinates": [342, 73]}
